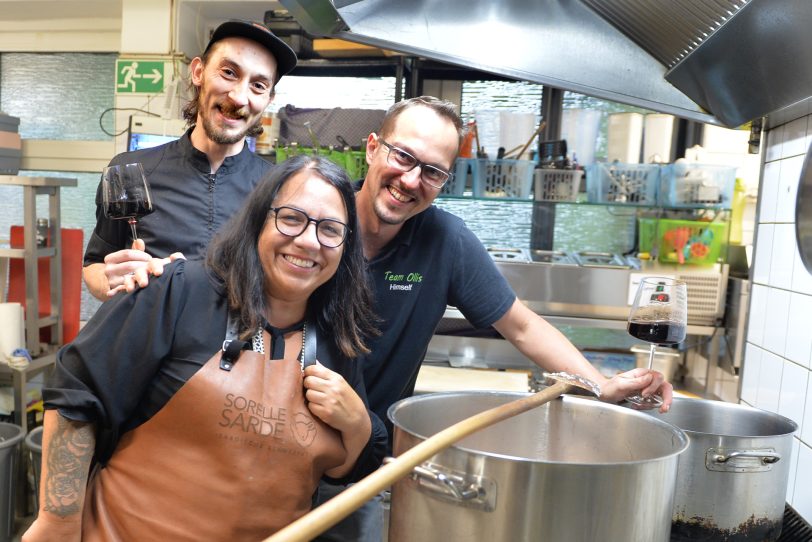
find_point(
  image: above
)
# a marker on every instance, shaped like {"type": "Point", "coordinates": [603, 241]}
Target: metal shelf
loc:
{"type": "Point", "coordinates": [31, 253]}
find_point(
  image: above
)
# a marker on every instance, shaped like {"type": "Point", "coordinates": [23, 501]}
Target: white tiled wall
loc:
{"type": "Point", "coordinates": [777, 371]}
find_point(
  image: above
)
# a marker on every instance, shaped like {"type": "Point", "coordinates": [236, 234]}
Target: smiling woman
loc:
{"type": "Point", "coordinates": [178, 399]}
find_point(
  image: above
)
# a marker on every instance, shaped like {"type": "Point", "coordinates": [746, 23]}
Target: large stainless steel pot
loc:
{"type": "Point", "coordinates": [732, 481]}
{"type": "Point", "coordinates": [573, 469]}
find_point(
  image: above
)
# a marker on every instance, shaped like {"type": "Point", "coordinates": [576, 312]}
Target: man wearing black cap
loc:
{"type": "Point", "coordinates": [200, 180]}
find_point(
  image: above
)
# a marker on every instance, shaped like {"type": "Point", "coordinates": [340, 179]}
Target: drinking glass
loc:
{"type": "Point", "coordinates": [126, 194]}
{"type": "Point", "coordinates": [659, 316]}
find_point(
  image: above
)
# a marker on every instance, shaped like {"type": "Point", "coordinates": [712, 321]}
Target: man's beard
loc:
{"type": "Point", "coordinates": [385, 216]}
{"type": "Point", "coordinates": [220, 136]}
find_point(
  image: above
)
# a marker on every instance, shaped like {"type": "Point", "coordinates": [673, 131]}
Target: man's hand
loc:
{"type": "Point", "coordinates": [124, 270]}
{"type": "Point", "coordinates": [124, 263]}
{"type": "Point", "coordinates": [638, 381]}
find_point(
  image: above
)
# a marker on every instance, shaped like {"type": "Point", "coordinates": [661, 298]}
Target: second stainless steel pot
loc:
{"type": "Point", "coordinates": [573, 469]}
{"type": "Point", "coordinates": [732, 481]}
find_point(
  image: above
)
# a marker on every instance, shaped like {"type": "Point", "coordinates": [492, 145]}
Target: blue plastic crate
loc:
{"type": "Point", "coordinates": [697, 186]}
{"type": "Point", "coordinates": [557, 184]}
{"type": "Point", "coordinates": [506, 179]}
{"type": "Point", "coordinates": [464, 168]}
{"type": "Point", "coordinates": [629, 184]}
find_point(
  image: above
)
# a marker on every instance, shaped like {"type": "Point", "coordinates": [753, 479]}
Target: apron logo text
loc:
{"type": "Point", "coordinates": [252, 417]}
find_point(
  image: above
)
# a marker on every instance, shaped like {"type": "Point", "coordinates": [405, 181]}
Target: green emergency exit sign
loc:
{"type": "Point", "coordinates": [143, 76]}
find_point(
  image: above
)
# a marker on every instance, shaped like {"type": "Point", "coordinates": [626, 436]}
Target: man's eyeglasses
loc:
{"type": "Point", "coordinates": [402, 160]}
{"type": "Point", "coordinates": [293, 223]}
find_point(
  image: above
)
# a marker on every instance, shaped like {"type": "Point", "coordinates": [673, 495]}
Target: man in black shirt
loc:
{"type": "Point", "coordinates": [202, 179]}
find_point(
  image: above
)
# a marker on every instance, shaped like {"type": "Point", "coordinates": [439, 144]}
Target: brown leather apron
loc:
{"type": "Point", "coordinates": [234, 455]}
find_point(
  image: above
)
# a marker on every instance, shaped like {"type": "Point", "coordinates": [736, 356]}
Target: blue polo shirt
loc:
{"type": "Point", "coordinates": [434, 261]}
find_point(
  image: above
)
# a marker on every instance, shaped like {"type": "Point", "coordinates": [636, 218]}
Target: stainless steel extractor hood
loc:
{"type": "Point", "coordinates": [718, 61]}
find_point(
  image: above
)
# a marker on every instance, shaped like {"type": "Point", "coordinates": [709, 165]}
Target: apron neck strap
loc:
{"type": "Point", "coordinates": [232, 346]}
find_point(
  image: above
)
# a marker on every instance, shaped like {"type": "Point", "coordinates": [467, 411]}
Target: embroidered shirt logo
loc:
{"type": "Point", "coordinates": [402, 281]}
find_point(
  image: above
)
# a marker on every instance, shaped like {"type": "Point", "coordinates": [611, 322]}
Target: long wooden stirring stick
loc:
{"type": "Point", "coordinates": [328, 514]}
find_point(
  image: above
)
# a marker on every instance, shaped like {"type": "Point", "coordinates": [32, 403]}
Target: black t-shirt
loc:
{"type": "Point", "coordinates": [141, 348]}
{"type": "Point", "coordinates": [434, 261]}
{"type": "Point", "coordinates": [190, 203]}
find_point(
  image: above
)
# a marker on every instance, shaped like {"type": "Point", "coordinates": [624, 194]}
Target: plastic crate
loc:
{"type": "Point", "coordinates": [557, 184]}
{"type": "Point", "coordinates": [463, 167]}
{"type": "Point", "coordinates": [700, 243]}
{"type": "Point", "coordinates": [283, 153]}
{"type": "Point", "coordinates": [507, 179]}
{"type": "Point", "coordinates": [354, 162]}
{"type": "Point", "coordinates": [697, 185]}
{"type": "Point", "coordinates": [630, 184]}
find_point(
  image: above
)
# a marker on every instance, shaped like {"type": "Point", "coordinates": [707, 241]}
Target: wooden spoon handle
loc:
{"type": "Point", "coordinates": [328, 514]}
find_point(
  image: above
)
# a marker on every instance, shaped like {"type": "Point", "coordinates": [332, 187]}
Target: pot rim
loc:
{"type": "Point", "coordinates": [677, 433]}
{"type": "Point", "coordinates": [792, 427]}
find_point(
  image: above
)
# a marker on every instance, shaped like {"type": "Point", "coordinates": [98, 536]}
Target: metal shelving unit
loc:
{"type": "Point", "coordinates": [43, 355]}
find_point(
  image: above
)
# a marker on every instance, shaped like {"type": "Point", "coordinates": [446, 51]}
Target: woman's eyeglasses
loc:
{"type": "Point", "coordinates": [293, 223]}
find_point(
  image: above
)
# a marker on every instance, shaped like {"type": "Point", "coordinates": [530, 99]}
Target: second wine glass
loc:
{"type": "Point", "coordinates": [659, 316]}
{"type": "Point", "coordinates": [126, 194]}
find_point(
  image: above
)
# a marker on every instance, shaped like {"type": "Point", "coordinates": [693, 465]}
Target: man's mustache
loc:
{"type": "Point", "coordinates": [230, 110]}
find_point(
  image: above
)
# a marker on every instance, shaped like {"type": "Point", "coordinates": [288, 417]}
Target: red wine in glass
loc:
{"type": "Point", "coordinates": [663, 333]}
{"type": "Point", "coordinates": [126, 194]}
{"type": "Point", "coordinates": [659, 316]}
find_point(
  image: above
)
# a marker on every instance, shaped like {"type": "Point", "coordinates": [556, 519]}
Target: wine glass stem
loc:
{"type": "Point", "coordinates": [132, 222]}
{"type": "Point", "coordinates": [651, 355]}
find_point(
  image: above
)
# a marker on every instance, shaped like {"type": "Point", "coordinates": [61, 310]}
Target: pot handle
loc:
{"type": "Point", "coordinates": [457, 488]}
{"type": "Point", "coordinates": [767, 458]}
{"type": "Point", "coordinates": [468, 490]}
{"type": "Point", "coordinates": [727, 460]}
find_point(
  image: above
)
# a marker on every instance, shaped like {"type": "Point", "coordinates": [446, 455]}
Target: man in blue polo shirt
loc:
{"type": "Point", "coordinates": [422, 259]}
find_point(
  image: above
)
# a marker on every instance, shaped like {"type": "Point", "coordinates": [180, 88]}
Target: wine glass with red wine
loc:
{"type": "Point", "coordinates": [125, 194]}
{"type": "Point", "coordinates": [659, 317]}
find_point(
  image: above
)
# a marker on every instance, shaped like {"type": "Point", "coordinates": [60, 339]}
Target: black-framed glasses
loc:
{"type": "Point", "coordinates": [402, 160]}
{"type": "Point", "coordinates": [293, 222]}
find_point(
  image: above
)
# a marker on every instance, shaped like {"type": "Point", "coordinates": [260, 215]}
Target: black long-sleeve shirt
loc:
{"type": "Point", "coordinates": [141, 348]}
{"type": "Point", "coordinates": [190, 203]}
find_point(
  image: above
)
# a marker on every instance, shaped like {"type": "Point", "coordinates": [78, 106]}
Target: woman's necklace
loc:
{"type": "Point", "coordinates": [302, 353]}
{"type": "Point", "coordinates": [278, 340]}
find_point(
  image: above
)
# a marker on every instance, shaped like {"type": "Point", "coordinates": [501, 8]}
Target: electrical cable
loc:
{"type": "Point", "coordinates": [103, 113]}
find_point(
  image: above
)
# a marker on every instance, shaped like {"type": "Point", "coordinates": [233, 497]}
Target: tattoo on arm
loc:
{"type": "Point", "coordinates": [69, 454]}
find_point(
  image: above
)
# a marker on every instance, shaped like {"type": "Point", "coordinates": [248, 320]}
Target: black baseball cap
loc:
{"type": "Point", "coordinates": [285, 57]}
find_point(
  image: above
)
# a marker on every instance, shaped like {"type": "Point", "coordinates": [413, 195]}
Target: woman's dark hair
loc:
{"type": "Point", "coordinates": [341, 307]}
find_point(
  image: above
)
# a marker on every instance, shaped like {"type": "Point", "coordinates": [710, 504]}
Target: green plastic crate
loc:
{"type": "Point", "coordinates": [354, 162]}
{"type": "Point", "coordinates": [701, 243]}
